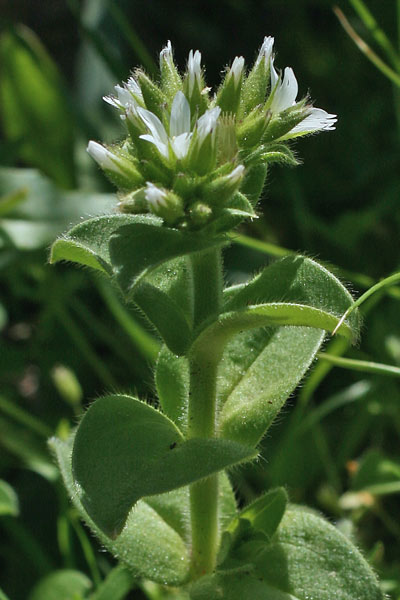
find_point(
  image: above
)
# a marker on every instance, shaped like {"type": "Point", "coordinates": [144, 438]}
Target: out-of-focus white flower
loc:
{"type": "Point", "coordinates": [166, 55]}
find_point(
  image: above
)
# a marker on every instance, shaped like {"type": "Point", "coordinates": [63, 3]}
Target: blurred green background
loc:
{"type": "Point", "coordinates": [66, 336]}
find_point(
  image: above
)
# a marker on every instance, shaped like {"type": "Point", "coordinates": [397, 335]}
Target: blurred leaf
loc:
{"type": "Point", "coordinates": [33, 106]}
{"type": "Point", "coordinates": [159, 459]}
{"type": "Point", "coordinates": [116, 585]}
{"type": "Point", "coordinates": [46, 211]}
{"type": "Point", "coordinates": [377, 474]}
{"type": "Point", "coordinates": [65, 584]}
{"type": "Point", "coordinates": [8, 500]}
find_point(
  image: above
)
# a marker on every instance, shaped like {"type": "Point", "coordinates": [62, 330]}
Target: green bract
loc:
{"type": "Point", "coordinates": [149, 479]}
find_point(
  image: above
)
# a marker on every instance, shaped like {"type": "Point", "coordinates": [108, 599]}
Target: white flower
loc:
{"type": "Point", "coordinates": [104, 158]}
{"type": "Point", "coordinates": [166, 54]}
{"type": "Point", "coordinates": [265, 51]}
{"type": "Point", "coordinates": [194, 70]}
{"type": "Point", "coordinates": [236, 175]}
{"type": "Point", "coordinates": [179, 128]}
{"type": "Point", "coordinates": [155, 196]}
{"type": "Point", "coordinates": [128, 97]}
{"type": "Point", "coordinates": [207, 122]}
{"type": "Point", "coordinates": [284, 93]}
{"type": "Point", "coordinates": [236, 70]}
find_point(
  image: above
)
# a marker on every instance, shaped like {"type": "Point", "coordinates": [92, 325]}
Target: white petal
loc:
{"type": "Point", "coordinates": [180, 144]}
{"type": "Point", "coordinates": [161, 147]}
{"type": "Point", "coordinates": [237, 174]}
{"type": "Point", "coordinates": [154, 125]}
{"type": "Point", "coordinates": [265, 50]}
{"type": "Point", "coordinates": [286, 93]}
{"type": "Point", "coordinates": [194, 69]}
{"type": "Point", "coordinates": [154, 195]}
{"type": "Point", "coordinates": [274, 75]}
{"type": "Point", "coordinates": [104, 158]}
{"type": "Point", "coordinates": [207, 122]}
{"type": "Point", "coordinates": [317, 120]}
{"type": "Point", "coordinates": [134, 88]}
{"type": "Point", "coordinates": [166, 53]}
{"type": "Point", "coordinates": [237, 69]}
{"type": "Point", "coordinates": [180, 115]}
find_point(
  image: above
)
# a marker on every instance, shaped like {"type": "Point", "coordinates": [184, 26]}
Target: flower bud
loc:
{"type": "Point", "coordinates": [200, 213]}
{"type": "Point", "coordinates": [171, 83]}
{"type": "Point", "coordinates": [194, 87]}
{"type": "Point", "coordinates": [256, 85]}
{"type": "Point", "coordinates": [118, 168]}
{"type": "Point", "coordinates": [164, 203]}
{"type": "Point", "coordinates": [220, 190]}
{"type": "Point", "coordinates": [203, 151]}
{"type": "Point", "coordinates": [134, 202]}
{"type": "Point", "coordinates": [228, 96]}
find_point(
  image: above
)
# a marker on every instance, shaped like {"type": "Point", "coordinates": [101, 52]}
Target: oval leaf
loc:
{"type": "Point", "coordinates": [148, 545]}
{"type": "Point", "coordinates": [64, 584]}
{"type": "Point", "coordinates": [125, 450]}
{"type": "Point", "coordinates": [9, 504]}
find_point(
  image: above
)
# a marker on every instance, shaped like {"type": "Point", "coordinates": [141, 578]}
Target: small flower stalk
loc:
{"type": "Point", "coordinates": [190, 157]}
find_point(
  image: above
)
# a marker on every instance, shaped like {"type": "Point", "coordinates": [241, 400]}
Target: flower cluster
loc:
{"type": "Point", "coordinates": [199, 160]}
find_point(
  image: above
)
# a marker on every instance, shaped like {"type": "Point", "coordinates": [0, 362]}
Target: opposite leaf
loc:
{"type": "Point", "coordinates": [307, 559]}
{"type": "Point", "coordinates": [125, 450]}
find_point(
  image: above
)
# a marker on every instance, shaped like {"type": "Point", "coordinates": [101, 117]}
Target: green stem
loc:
{"type": "Point", "coordinates": [207, 280]}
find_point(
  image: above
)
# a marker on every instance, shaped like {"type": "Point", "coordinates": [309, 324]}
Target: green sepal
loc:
{"type": "Point", "coordinates": [154, 99]}
{"type": "Point", "coordinates": [171, 82]}
{"type": "Point", "coordinates": [149, 546]}
{"type": "Point", "coordinates": [228, 95]}
{"type": "Point", "coordinates": [252, 128]}
{"type": "Point", "coordinates": [125, 450]}
{"type": "Point", "coordinates": [283, 122]}
{"type": "Point", "coordinates": [254, 88]}
{"type": "Point", "coordinates": [253, 183]}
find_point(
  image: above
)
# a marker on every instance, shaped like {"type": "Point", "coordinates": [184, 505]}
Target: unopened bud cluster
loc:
{"type": "Point", "coordinates": [198, 159]}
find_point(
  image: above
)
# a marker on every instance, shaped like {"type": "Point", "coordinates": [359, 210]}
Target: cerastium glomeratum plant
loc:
{"type": "Point", "coordinates": [151, 481]}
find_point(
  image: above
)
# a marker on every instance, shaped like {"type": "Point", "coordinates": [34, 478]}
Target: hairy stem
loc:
{"type": "Point", "coordinates": [207, 278]}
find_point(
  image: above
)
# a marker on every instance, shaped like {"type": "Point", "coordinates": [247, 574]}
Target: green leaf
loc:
{"type": "Point", "coordinates": [125, 450]}
{"type": "Point", "coordinates": [116, 585]}
{"type": "Point", "coordinates": [306, 558]}
{"type": "Point", "coordinates": [166, 297]}
{"type": "Point", "coordinates": [265, 513]}
{"type": "Point", "coordinates": [172, 382]}
{"type": "Point", "coordinates": [298, 280]}
{"type": "Point", "coordinates": [8, 500]}
{"type": "Point", "coordinates": [34, 109]}
{"type": "Point", "coordinates": [65, 584]}
{"type": "Point", "coordinates": [126, 246]}
{"type": "Point", "coordinates": [260, 369]}
{"type": "Point", "coordinates": [258, 372]}
{"type": "Point", "coordinates": [3, 596]}
{"type": "Point", "coordinates": [148, 545]}
{"type": "Point", "coordinates": [377, 474]}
